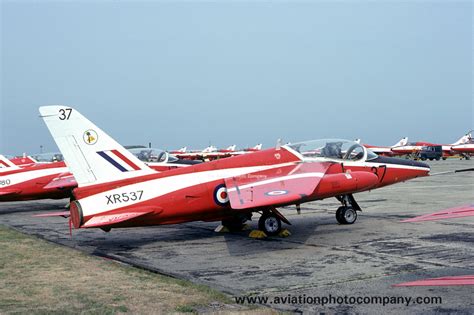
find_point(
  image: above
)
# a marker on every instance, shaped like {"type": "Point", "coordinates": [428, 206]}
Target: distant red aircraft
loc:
{"type": "Point", "coordinates": [416, 147]}
{"type": "Point", "coordinates": [386, 151]}
{"type": "Point", "coordinates": [125, 192]}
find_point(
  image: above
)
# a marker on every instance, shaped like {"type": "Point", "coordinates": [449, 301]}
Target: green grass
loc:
{"type": "Point", "coordinates": [43, 278]}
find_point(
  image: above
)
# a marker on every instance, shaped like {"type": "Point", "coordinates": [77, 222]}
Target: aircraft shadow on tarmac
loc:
{"type": "Point", "coordinates": [166, 238]}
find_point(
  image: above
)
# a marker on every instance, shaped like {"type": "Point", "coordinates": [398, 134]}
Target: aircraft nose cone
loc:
{"type": "Point", "coordinates": [404, 162]}
{"type": "Point", "coordinates": [419, 164]}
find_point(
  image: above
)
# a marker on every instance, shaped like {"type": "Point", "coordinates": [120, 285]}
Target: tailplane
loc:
{"type": "Point", "coordinates": [258, 147]}
{"type": "Point", "coordinates": [463, 139]}
{"type": "Point", "coordinates": [6, 164]}
{"type": "Point", "coordinates": [92, 156]}
{"type": "Point", "coordinates": [402, 142]}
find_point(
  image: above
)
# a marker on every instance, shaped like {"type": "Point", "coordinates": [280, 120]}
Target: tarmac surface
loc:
{"type": "Point", "coordinates": [320, 258]}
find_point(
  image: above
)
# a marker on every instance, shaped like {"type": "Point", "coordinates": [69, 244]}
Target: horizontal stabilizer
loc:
{"type": "Point", "coordinates": [63, 214]}
{"type": "Point", "coordinates": [110, 219]}
{"type": "Point", "coordinates": [278, 186]}
{"type": "Point", "coordinates": [6, 164]}
{"type": "Point", "coordinates": [9, 192]}
{"type": "Point", "coordinates": [62, 182]}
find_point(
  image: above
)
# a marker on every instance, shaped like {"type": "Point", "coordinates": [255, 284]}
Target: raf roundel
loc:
{"type": "Point", "coordinates": [276, 193]}
{"type": "Point", "coordinates": [221, 197]}
{"type": "Point", "coordinates": [90, 137]}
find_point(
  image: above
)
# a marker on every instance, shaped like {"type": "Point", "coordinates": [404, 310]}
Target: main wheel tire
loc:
{"type": "Point", "coordinates": [346, 215]}
{"type": "Point", "coordinates": [270, 224]}
{"type": "Point", "coordinates": [339, 215]}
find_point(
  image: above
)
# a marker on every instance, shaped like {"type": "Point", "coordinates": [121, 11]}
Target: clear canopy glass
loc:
{"type": "Point", "coordinates": [48, 157]}
{"type": "Point", "coordinates": [334, 149]}
{"type": "Point", "coordinates": [153, 155]}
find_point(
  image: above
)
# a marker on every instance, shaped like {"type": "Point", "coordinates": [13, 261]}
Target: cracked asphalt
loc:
{"type": "Point", "coordinates": [320, 258]}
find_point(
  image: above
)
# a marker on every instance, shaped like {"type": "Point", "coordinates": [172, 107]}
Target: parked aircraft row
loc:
{"type": "Point", "coordinates": [212, 153]}
{"type": "Point", "coordinates": [465, 146]}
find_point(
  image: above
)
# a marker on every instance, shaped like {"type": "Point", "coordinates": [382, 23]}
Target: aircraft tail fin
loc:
{"type": "Point", "coordinates": [402, 142]}
{"type": "Point", "coordinates": [257, 147]}
{"type": "Point", "coordinates": [92, 156]}
{"type": "Point", "coordinates": [7, 164]}
{"type": "Point", "coordinates": [464, 139]}
{"type": "Point", "coordinates": [231, 148]}
{"type": "Point", "coordinates": [183, 150]}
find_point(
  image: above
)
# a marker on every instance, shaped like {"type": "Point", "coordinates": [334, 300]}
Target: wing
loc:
{"type": "Point", "coordinates": [278, 186]}
{"type": "Point", "coordinates": [65, 180]}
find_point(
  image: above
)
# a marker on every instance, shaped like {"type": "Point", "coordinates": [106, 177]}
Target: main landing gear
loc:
{"type": "Point", "coordinates": [270, 222]}
{"type": "Point", "coordinates": [347, 213]}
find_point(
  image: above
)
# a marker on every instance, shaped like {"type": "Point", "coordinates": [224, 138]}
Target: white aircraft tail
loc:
{"type": "Point", "coordinates": [6, 164]}
{"type": "Point", "coordinates": [92, 156]}
{"type": "Point", "coordinates": [231, 148]}
{"type": "Point", "coordinates": [257, 147]}
{"type": "Point", "coordinates": [463, 139]}
{"type": "Point", "coordinates": [182, 150]}
{"type": "Point", "coordinates": [209, 149]}
{"type": "Point", "coordinates": [402, 142]}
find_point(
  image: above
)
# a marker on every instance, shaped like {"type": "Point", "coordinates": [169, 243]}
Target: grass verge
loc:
{"type": "Point", "coordinates": [43, 278]}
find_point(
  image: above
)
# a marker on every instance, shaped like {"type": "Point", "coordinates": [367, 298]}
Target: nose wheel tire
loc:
{"type": "Point", "coordinates": [346, 215]}
{"type": "Point", "coordinates": [270, 224]}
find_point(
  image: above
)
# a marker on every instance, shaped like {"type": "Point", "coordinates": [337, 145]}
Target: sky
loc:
{"type": "Point", "coordinates": [194, 73]}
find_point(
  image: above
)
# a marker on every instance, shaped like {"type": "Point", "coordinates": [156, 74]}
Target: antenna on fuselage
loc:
{"type": "Point", "coordinates": [279, 144]}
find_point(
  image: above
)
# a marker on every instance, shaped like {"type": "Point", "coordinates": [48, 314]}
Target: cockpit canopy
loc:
{"type": "Point", "coordinates": [153, 155]}
{"type": "Point", "coordinates": [48, 157]}
{"type": "Point", "coordinates": [333, 149]}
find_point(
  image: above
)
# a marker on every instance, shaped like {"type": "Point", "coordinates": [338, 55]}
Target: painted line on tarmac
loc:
{"type": "Point", "coordinates": [437, 186]}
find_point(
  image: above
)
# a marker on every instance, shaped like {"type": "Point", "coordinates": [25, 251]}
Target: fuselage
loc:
{"type": "Point", "coordinates": [464, 148]}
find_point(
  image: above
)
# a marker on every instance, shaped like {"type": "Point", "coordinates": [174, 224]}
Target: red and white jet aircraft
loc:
{"type": "Point", "coordinates": [416, 147]}
{"type": "Point", "coordinates": [125, 192]}
{"type": "Point", "coordinates": [386, 151]}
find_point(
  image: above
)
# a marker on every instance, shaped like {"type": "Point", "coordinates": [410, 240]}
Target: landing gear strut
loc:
{"type": "Point", "coordinates": [347, 213]}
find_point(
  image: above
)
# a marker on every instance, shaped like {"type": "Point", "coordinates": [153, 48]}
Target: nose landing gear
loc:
{"type": "Point", "coordinates": [347, 213]}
